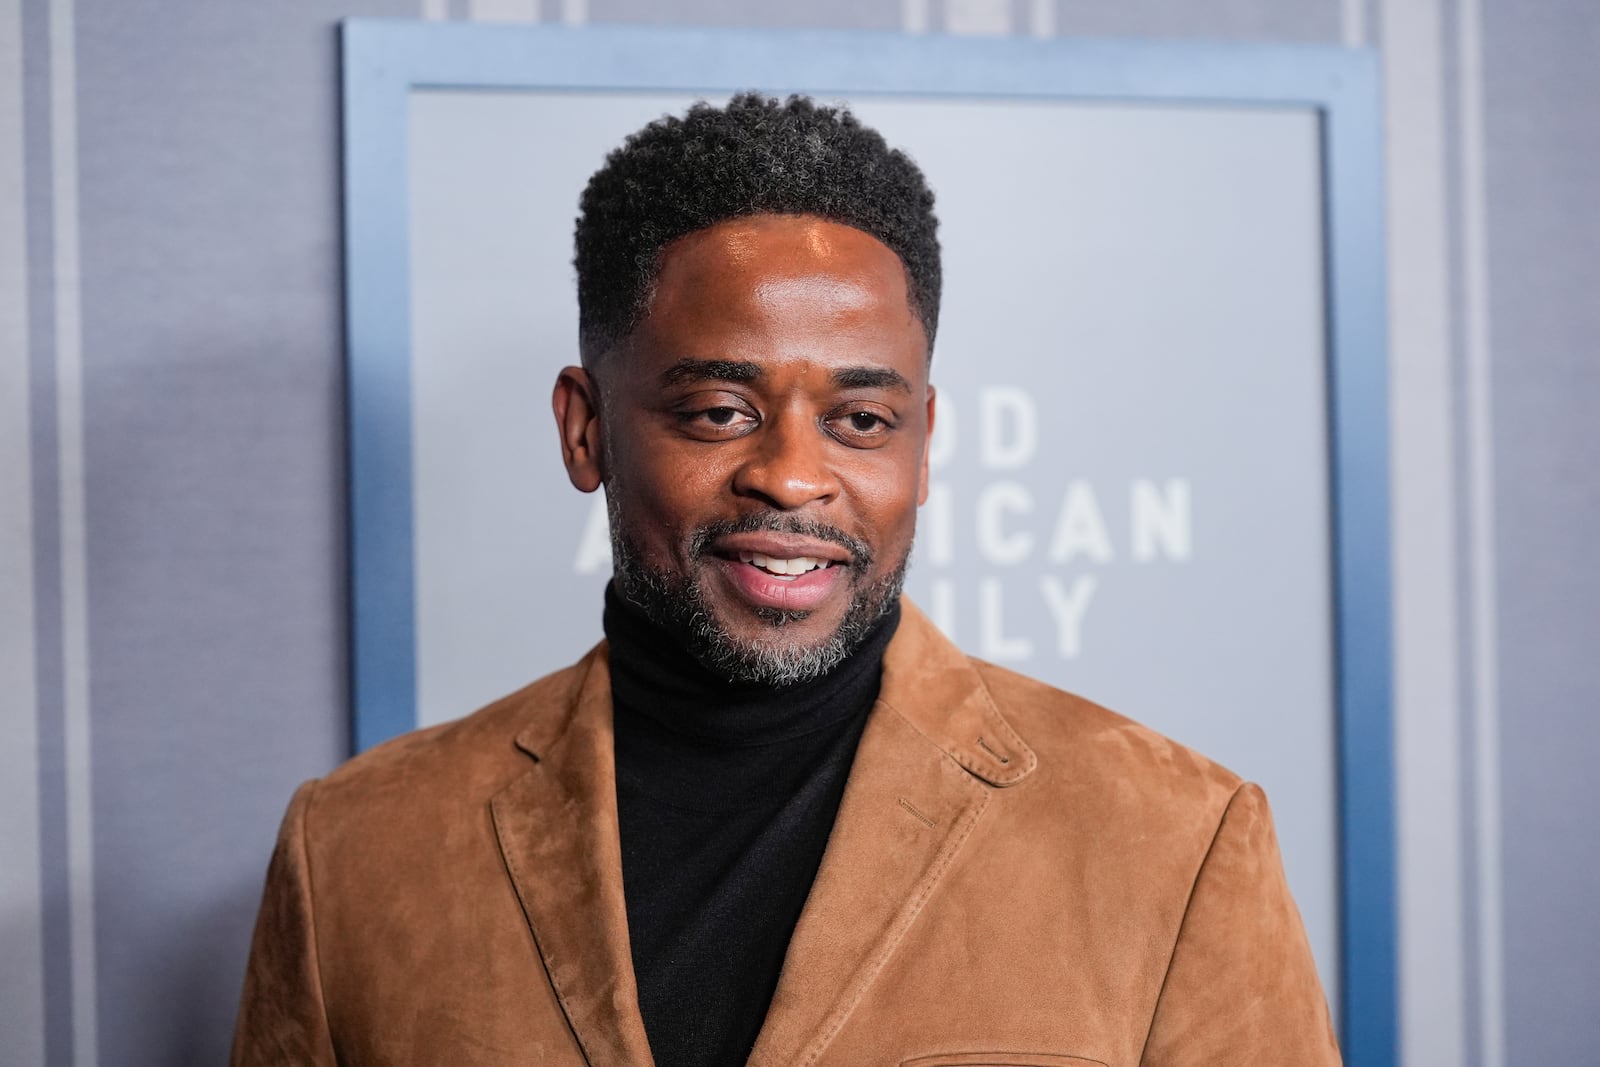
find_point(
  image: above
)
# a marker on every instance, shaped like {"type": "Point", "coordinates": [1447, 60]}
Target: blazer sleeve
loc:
{"type": "Point", "coordinates": [1241, 986]}
{"type": "Point", "coordinates": [282, 1017]}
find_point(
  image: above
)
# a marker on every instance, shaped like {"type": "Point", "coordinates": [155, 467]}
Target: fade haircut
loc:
{"type": "Point", "coordinates": [757, 155]}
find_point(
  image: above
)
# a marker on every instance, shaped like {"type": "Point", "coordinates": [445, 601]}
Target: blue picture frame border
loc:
{"type": "Point", "coordinates": [385, 60]}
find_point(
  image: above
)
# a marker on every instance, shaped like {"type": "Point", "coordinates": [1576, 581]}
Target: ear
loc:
{"type": "Point", "coordinates": [576, 403]}
{"type": "Point", "coordinates": [927, 446]}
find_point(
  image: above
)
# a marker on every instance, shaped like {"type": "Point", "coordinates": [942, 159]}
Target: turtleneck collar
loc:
{"type": "Point", "coordinates": [654, 677]}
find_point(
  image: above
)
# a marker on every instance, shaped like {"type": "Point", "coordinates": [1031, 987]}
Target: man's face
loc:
{"type": "Point", "coordinates": [762, 439]}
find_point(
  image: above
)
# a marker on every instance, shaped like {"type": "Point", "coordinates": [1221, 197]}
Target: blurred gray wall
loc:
{"type": "Point", "coordinates": [172, 561]}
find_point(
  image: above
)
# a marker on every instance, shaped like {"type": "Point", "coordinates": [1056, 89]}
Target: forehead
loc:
{"type": "Point", "coordinates": [781, 278]}
{"type": "Point", "coordinates": [773, 243]}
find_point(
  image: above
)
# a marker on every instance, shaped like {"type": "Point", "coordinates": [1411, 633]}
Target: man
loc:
{"type": "Point", "coordinates": [775, 817]}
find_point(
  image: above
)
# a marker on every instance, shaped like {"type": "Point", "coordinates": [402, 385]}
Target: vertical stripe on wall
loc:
{"type": "Point", "coordinates": [1353, 22]}
{"type": "Point", "coordinates": [977, 16]}
{"type": "Point", "coordinates": [503, 10]}
{"type": "Point", "coordinates": [1483, 640]}
{"type": "Point", "coordinates": [914, 15]}
{"type": "Point", "coordinates": [21, 885]}
{"type": "Point", "coordinates": [73, 532]}
{"type": "Point", "coordinates": [1042, 18]}
{"type": "Point", "coordinates": [1427, 690]}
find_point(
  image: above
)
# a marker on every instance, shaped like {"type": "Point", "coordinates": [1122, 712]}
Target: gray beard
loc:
{"type": "Point", "coordinates": [677, 604]}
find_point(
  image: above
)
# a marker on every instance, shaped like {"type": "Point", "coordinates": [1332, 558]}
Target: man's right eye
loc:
{"type": "Point", "coordinates": [717, 422]}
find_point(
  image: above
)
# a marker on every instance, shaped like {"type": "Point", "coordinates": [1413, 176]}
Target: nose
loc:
{"type": "Point", "coordinates": [787, 465]}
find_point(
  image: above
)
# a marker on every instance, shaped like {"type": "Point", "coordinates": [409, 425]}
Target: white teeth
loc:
{"type": "Point", "coordinates": [798, 565]}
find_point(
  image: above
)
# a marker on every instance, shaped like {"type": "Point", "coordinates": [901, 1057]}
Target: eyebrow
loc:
{"type": "Point", "coordinates": [710, 370]}
{"type": "Point", "coordinates": [690, 370]}
{"type": "Point", "coordinates": [871, 378]}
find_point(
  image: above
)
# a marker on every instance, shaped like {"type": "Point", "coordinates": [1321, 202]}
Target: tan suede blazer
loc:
{"type": "Point", "coordinates": [1016, 877]}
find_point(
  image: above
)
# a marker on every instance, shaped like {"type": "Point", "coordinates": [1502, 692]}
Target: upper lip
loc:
{"type": "Point", "coordinates": [780, 546]}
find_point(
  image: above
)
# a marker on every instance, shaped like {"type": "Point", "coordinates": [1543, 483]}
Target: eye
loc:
{"type": "Point", "coordinates": [716, 422]}
{"type": "Point", "coordinates": [865, 421]}
{"type": "Point", "coordinates": [861, 427]}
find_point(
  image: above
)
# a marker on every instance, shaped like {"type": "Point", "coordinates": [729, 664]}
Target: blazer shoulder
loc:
{"type": "Point", "coordinates": [1090, 746]}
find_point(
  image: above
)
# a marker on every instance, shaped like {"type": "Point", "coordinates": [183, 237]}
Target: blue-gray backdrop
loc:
{"type": "Point", "coordinates": [172, 561]}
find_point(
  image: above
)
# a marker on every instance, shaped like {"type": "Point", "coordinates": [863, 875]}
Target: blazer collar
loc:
{"type": "Point", "coordinates": [557, 828]}
{"type": "Point", "coordinates": [935, 687]}
{"type": "Point", "coordinates": [934, 748]}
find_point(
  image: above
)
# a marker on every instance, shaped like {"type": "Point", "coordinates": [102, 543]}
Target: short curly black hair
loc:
{"type": "Point", "coordinates": [754, 156]}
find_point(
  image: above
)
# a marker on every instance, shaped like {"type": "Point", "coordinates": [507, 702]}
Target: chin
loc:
{"type": "Point", "coordinates": [745, 643]}
{"type": "Point", "coordinates": [768, 662]}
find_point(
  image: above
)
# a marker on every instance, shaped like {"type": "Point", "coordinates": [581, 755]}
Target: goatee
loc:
{"type": "Point", "coordinates": [677, 603]}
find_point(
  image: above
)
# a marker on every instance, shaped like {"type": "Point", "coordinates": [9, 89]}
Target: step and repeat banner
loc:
{"type": "Point", "coordinates": [1134, 470]}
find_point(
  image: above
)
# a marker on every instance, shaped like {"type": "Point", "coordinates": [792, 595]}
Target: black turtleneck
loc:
{"type": "Point", "coordinates": [725, 796]}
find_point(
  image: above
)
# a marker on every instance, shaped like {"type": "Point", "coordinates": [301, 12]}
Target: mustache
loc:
{"type": "Point", "coordinates": [777, 522]}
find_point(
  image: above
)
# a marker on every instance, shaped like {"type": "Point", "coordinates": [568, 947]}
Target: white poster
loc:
{"type": "Point", "coordinates": [1130, 492]}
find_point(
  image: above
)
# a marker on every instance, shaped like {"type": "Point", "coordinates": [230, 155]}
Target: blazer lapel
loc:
{"type": "Point", "coordinates": [557, 828]}
{"type": "Point", "coordinates": [916, 792]}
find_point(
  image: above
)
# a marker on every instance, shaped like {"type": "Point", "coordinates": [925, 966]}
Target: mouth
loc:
{"type": "Point", "coordinates": [784, 553]}
{"type": "Point", "coordinates": [790, 568]}
{"type": "Point", "coordinates": [781, 571]}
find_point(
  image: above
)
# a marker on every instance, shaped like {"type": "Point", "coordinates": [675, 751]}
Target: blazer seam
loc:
{"type": "Point", "coordinates": [963, 762]}
{"type": "Point", "coordinates": [944, 750]}
{"type": "Point", "coordinates": [992, 714]}
{"type": "Point", "coordinates": [311, 913]}
{"type": "Point", "coordinates": [1031, 759]}
{"type": "Point", "coordinates": [1188, 904]}
{"type": "Point", "coordinates": [534, 735]}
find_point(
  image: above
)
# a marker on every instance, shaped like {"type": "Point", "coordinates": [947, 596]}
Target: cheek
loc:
{"type": "Point", "coordinates": [664, 496]}
{"type": "Point", "coordinates": [885, 497]}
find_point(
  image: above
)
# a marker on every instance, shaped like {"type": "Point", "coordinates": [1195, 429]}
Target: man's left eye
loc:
{"type": "Point", "coordinates": [861, 424]}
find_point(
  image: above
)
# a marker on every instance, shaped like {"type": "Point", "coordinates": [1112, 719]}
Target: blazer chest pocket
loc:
{"type": "Point", "coordinates": [1001, 1059]}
